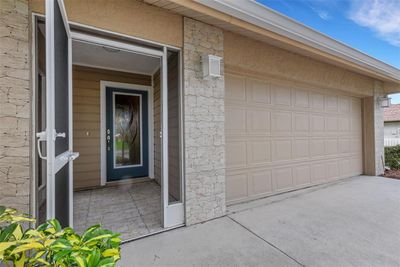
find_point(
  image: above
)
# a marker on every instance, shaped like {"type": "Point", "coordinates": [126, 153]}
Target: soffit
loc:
{"type": "Point", "coordinates": [231, 23]}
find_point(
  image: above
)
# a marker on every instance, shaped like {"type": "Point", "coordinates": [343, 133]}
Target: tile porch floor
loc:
{"type": "Point", "coordinates": [130, 209]}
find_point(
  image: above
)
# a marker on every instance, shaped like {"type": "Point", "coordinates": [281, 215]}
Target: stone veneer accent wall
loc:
{"type": "Point", "coordinates": [379, 129]}
{"type": "Point", "coordinates": [204, 120]}
{"type": "Point", "coordinates": [373, 132]}
{"type": "Point", "coordinates": [15, 108]}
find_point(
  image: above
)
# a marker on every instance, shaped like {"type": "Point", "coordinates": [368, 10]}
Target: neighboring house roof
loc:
{"type": "Point", "coordinates": [392, 113]}
{"type": "Point", "coordinates": [280, 29]}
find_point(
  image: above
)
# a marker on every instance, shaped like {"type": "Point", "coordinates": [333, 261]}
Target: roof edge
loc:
{"type": "Point", "coordinates": [266, 18]}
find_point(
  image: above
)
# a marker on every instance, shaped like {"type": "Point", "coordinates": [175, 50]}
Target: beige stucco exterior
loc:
{"type": "Point", "coordinates": [242, 54]}
{"type": "Point", "coordinates": [216, 112]}
{"type": "Point", "coordinates": [133, 18]}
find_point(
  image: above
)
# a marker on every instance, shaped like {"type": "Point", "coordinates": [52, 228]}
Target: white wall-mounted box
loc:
{"type": "Point", "coordinates": [211, 66]}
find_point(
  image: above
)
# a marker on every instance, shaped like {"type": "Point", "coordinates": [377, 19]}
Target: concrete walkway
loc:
{"type": "Point", "coordinates": [353, 222]}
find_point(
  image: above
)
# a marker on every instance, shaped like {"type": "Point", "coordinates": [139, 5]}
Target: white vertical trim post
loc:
{"type": "Point", "coordinates": [50, 108]}
{"type": "Point", "coordinates": [70, 136]}
{"type": "Point", "coordinates": [34, 67]}
{"type": "Point", "coordinates": [164, 135]}
{"type": "Point", "coordinates": [103, 148]}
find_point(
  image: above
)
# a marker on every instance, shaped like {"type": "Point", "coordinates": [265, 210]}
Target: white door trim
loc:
{"type": "Point", "coordinates": [103, 128]}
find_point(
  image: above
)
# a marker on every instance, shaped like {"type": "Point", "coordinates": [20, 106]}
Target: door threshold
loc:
{"type": "Point", "coordinates": [129, 181]}
{"type": "Point", "coordinates": [153, 233]}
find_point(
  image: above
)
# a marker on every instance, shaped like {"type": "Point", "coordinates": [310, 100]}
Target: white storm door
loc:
{"type": "Point", "coordinates": [58, 134]}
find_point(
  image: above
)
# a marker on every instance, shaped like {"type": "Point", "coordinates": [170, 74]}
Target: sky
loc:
{"type": "Point", "coordinates": [371, 26]}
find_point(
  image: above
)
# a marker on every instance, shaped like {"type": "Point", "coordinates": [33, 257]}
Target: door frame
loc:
{"type": "Point", "coordinates": [120, 40]}
{"type": "Point", "coordinates": [56, 162]}
{"type": "Point", "coordinates": [103, 149]}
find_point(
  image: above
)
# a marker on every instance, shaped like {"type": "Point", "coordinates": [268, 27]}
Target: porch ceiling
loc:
{"type": "Point", "coordinates": [98, 56]}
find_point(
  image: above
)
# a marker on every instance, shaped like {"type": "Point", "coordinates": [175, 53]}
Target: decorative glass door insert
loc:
{"type": "Point", "coordinates": [127, 128]}
{"type": "Point", "coordinates": [127, 133]}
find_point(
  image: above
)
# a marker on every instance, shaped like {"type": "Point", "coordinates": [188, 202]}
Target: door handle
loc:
{"type": "Point", "coordinates": [108, 138]}
{"type": "Point", "coordinates": [73, 155]}
{"type": "Point", "coordinates": [55, 135]}
{"type": "Point", "coordinates": [60, 135]}
{"type": "Point", "coordinates": [41, 137]}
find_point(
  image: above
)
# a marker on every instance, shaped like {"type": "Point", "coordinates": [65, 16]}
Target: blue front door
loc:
{"type": "Point", "coordinates": [127, 133]}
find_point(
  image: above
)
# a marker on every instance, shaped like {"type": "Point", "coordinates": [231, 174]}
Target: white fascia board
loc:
{"type": "Point", "coordinates": [266, 18]}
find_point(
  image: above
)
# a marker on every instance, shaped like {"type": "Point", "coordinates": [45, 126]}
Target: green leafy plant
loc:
{"type": "Point", "coordinates": [51, 245]}
{"type": "Point", "coordinates": [392, 157]}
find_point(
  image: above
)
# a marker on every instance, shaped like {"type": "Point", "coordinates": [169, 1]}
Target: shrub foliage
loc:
{"type": "Point", "coordinates": [51, 245]}
{"type": "Point", "coordinates": [392, 157]}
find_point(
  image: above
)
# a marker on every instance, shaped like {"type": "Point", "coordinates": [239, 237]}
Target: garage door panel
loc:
{"type": "Point", "coordinates": [344, 124]}
{"type": "Point", "coordinates": [235, 88]}
{"type": "Point", "coordinates": [356, 124]}
{"type": "Point", "coordinates": [260, 182]}
{"type": "Point", "coordinates": [356, 145]}
{"type": "Point", "coordinates": [281, 123]}
{"type": "Point", "coordinates": [301, 123]}
{"type": "Point", "coordinates": [282, 179]}
{"type": "Point", "coordinates": [331, 103]}
{"type": "Point", "coordinates": [301, 99]}
{"type": "Point", "coordinates": [317, 102]}
{"type": "Point", "coordinates": [301, 175]}
{"type": "Point", "coordinates": [236, 186]}
{"type": "Point", "coordinates": [258, 121]}
{"type": "Point", "coordinates": [281, 137]}
{"type": "Point", "coordinates": [356, 164]}
{"type": "Point", "coordinates": [259, 152]}
{"type": "Point", "coordinates": [344, 145]}
{"type": "Point", "coordinates": [317, 123]}
{"type": "Point", "coordinates": [317, 148]}
{"type": "Point", "coordinates": [344, 105]}
{"type": "Point", "coordinates": [235, 120]}
{"type": "Point", "coordinates": [318, 172]}
{"type": "Point", "coordinates": [356, 106]}
{"type": "Point", "coordinates": [301, 149]}
{"type": "Point", "coordinates": [282, 95]}
{"type": "Point", "coordinates": [282, 150]}
{"type": "Point", "coordinates": [331, 147]}
{"type": "Point", "coordinates": [260, 91]}
{"type": "Point", "coordinates": [332, 170]}
{"type": "Point", "coordinates": [331, 123]}
{"type": "Point", "coordinates": [236, 155]}
{"type": "Point", "coordinates": [344, 167]}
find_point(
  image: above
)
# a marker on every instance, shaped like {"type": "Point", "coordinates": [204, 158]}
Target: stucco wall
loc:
{"type": "Point", "coordinates": [379, 129]}
{"type": "Point", "coordinates": [129, 17]}
{"type": "Point", "coordinates": [204, 125]}
{"type": "Point", "coordinates": [373, 132]}
{"type": "Point", "coordinates": [15, 108]}
{"type": "Point", "coordinates": [242, 54]}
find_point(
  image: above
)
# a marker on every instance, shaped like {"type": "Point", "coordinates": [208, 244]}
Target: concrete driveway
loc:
{"type": "Point", "coordinates": [353, 222]}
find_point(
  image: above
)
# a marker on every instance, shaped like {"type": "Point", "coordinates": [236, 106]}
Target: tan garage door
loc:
{"type": "Point", "coordinates": [282, 137]}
